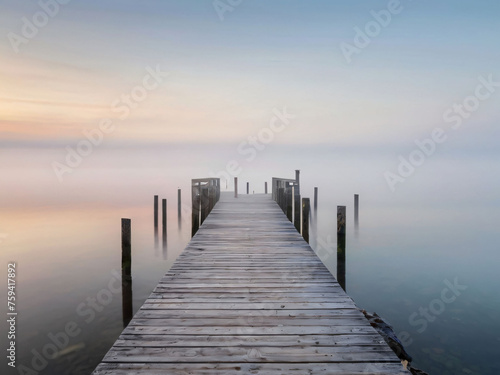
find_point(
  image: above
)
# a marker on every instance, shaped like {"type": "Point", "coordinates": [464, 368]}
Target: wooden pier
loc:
{"type": "Point", "coordinates": [249, 296]}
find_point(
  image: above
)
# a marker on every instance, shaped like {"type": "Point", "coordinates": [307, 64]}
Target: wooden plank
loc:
{"type": "Point", "coordinates": [375, 368]}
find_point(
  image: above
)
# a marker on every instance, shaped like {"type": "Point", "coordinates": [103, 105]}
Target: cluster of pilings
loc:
{"type": "Point", "coordinates": [205, 193]}
{"type": "Point", "coordinates": [286, 192]}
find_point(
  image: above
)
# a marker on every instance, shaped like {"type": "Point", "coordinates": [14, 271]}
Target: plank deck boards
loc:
{"type": "Point", "coordinates": [249, 296]}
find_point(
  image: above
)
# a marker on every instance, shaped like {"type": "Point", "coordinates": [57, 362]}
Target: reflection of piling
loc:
{"type": "Point", "coordinates": [127, 309]}
{"type": "Point", "coordinates": [356, 210]}
{"type": "Point", "coordinates": [265, 187]}
{"type": "Point", "coordinates": [236, 187]}
{"type": "Point", "coordinates": [306, 208]}
{"type": "Point", "coordinates": [156, 211]}
{"type": "Point", "coordinates": [341, 233]}
{"type": "Point", "coordinates": [289, 203]}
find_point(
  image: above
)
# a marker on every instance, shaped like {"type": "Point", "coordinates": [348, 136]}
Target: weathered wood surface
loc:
{"type": "Point", "coordinates": [249, 296]}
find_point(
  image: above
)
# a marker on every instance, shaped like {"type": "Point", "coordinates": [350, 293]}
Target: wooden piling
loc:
{"type": "Point", "coordinates": [356, 209]}
{"type": "Point", "coordinates": [248, 187]}
{"type": "Point", "coordinates": [179, 203]}
{"type": "Point", "coordinates": [236, 187]}
{"type": "Point", "coordinates": [265, 187]}
{"type": "Point", "coordinates": [341, 260]}
{"type": "Point", "coordinates": [126, 247]}
{"type": "Point", "coordinates": [341, 220]}
{"type": "Point", "coordinates": [306, 208]}
{"type": "Point", "coordinates": [155, 209]}
{"type": "Point", "coordinates": [341, 234]}
{"type": "Point", "coordinates": [315, 198]}
{"type": "Point", "coordinates": [164, 218]}
{"type": "Point", "coordinates": [127, 310]}
{"type": "Point", "coordinates": [289, 203]}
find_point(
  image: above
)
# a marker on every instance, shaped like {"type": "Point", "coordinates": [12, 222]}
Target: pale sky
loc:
{"type": "Point", "coordinates": [226, 76]}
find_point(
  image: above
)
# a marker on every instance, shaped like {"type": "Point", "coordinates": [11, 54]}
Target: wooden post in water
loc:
{"type": "Point", "coordinates": [248, 187]}
{"type": "Point", "coordinates": [126, 247]}
{"type": "Point", "coordinates": [341, 233]}
{"type": "Point", "coordinates": [315, 198]}
{"type": "Point", "coordinates": [236, 187]}
{"type": "Point", "coordinates": [341, 220]}
{"type": "Point", "coordinates": [164, 220]}
{"type": "Point", "coordinates": [289, 203]}
{"type": "Point", "coordinates": [265, 187]}
{"type": "Point", "coordinates": [179, 203]}
{"type": "Point", "coordinates": [155, 209]}
{"type": "Point", "coordinates": [127, 308]}
{"type": "Point", "coordinates": [306, 208]}
{"type": "Point", "coordinates": [356, 210]}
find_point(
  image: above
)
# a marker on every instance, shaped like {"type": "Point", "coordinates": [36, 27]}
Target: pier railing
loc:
{"type": "Point", "coordinates": [205, 193]}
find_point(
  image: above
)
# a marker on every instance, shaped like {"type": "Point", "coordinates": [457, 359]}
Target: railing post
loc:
{"type": "Point", "coordinates": [248, 187]}
{"type": "Point", "coordinates": [265, 187]}
{"type": "Point", "coordinates": [204, 203]}
{"type": "Point", "coordinates": [281, 196]}
{"type": "Point", "coordinates": [289, 203]}
{"type": "Point", "coordinates": [195, 210]}
{"type": "Point", "coordinates": [236, 187]}
{"type": "Point", "coordinates": [305, 218]}
{"type": "Point", "coordinates": [297, 208]}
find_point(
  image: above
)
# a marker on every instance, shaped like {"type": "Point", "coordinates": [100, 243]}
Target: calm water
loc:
{"type": "Point", "coordinates": [438, 229]}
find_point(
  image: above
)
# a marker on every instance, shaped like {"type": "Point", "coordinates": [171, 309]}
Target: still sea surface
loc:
{"type": "Point", "coordinates": [425, 257]}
